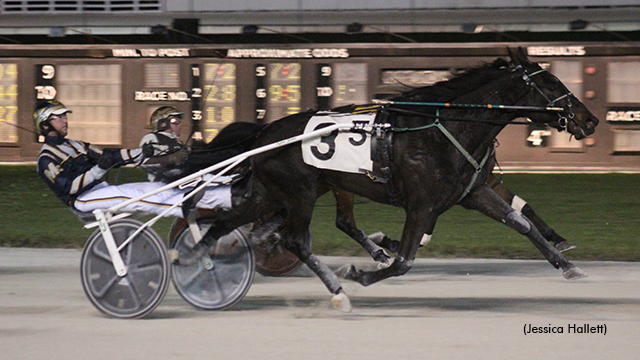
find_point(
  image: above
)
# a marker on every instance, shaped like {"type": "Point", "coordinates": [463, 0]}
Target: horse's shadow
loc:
{"type": "Point", "coordinates": [429, 306]}
{"type": "Point", "coordinates": [398, 307]}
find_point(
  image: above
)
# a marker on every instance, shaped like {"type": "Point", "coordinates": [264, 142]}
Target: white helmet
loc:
{"type": "Point", "coordinates": [160, 118]}
{"type": "Point", "coordinates": [46, 109]}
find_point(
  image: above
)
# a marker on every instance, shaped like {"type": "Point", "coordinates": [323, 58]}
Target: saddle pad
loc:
{"type": "Point", "coordinates": [344, 151]}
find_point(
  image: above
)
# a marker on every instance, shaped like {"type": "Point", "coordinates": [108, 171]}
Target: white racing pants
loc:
{"type": "Point", "coordinates": [104, 196]}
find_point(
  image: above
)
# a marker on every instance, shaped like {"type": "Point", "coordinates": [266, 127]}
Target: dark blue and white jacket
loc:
{"type": "Point", "coordinates": [69, 168]}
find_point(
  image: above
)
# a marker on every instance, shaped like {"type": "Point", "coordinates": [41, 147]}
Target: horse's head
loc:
{"type": "Point", "coordinates": [546, 90]}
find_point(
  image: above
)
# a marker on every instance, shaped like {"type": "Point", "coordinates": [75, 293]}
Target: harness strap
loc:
{"type": "Point", "coordinates": [446, 133]}
{"type": "Point", "coordinates": [382, 153]}
{"type": "Point", "coordinates": [490, 151]}
{"type": "Point", "coordinates": [562, 120]}
{"type": "Point", "coordinates": [455, 142]}
{"type": "Point", "coordinates": [459, 147]}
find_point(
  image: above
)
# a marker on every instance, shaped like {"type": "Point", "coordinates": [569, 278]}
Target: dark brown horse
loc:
{"type": "Point", "coordinates": [440, 159]}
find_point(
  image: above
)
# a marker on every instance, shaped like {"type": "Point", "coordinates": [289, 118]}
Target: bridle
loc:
{"type": "Point", "coordinates": [563, 121]}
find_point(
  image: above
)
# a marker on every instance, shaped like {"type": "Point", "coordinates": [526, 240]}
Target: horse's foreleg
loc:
{"type": "Point", "coordinates": [416, 225]}
{"type": "Point", "coordinates": [521, 206]}
{"type": "Point", "coordinates": [345, 221]}
{"type": "Point", "coordinates": [489, 203]}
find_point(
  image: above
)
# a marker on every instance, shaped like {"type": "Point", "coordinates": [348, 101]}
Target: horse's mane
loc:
{"type": "Point", "coordinates": [460, 84]}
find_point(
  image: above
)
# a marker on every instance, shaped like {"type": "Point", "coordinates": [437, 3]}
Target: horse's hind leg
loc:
{"type": "Point", "coordinates": [416, 224]}
{"type": "Point", "coordinates": [224, 222]}
{"type": "Point", "coordinates": [298, 241]}
{"type": "Point", "coordinates": [489, 203]}
{"type": "Point", "coordinates": [345, 221]}
{"type": "Point", "coordinates": [521, 206]}
{"type": "Point", "coordinates": [300, 246]}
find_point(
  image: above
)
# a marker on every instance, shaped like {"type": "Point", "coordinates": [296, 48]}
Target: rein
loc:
{"type": "Point", "coordinates": [447, 118]}
{"type": "Point", "coordinates": [474, 106]}
{"type": "Point", "coordinates": [562, 120]}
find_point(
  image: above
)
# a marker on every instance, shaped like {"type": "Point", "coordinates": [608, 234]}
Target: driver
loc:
{"type": "Point", "coordinates": [169, 153]}
{"type": "Point", "coordinates": [73, 170]}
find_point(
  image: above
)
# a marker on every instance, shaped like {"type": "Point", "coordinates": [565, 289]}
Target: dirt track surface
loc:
{"type": "Point", "coordinates": [441, 309]}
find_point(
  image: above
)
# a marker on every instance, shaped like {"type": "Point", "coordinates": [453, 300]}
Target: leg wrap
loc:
{"type": "Point", "coordinates": [517, 222]}
{"type": "Point", "coordinates": [517, 203]}
{"type": "Point", "coordinates": [425, 239]}
{"type": "Point", "coordinates": [329, 279]}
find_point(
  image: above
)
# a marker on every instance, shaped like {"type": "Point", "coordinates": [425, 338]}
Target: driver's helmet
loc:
{"type": "Point", "coordinates": [44, 110]}
{"type": "Point", "coordinates": [161, 118]}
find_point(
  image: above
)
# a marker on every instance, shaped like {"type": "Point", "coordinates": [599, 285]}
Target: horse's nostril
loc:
{"type": "Point", "coordinates": [591, 123]}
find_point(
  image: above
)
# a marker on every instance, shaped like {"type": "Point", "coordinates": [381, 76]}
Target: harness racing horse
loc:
{"type": "Point", "coordinates": [434, 165]}
{"type": "Point", "coordinates": [272, 259]}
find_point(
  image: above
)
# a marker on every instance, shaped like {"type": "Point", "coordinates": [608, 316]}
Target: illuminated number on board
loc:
{"type": "Point", "coordinates": [48, 72]}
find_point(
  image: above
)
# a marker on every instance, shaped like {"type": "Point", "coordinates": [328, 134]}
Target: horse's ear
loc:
{"type": "Point", "coordinates": [518, 56]}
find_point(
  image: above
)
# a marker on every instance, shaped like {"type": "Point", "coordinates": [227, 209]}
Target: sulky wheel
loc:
{"type": "Point", "coordinates": [181, 223]}
{"type": "Point", "coordinates": [144, 286]}
{"type": "Point", "coordinates": [222, 278]}
{"type": "Point", "coordinates": [272, 259]}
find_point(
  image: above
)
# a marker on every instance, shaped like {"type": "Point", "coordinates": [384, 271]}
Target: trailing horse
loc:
{"type": "Point", "coordinates": [439, 157]}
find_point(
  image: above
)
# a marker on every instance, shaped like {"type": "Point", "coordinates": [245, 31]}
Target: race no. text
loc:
{"type": "Point", "coordinates": [568, 329]}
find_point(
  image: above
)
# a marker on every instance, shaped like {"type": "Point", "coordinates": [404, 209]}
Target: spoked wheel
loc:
{"type": "Point", "coordinates": [222, 278]}
{"type": "Point", "coordinates": [144, 286]}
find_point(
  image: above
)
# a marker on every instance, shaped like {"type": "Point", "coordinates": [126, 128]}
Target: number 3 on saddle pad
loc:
{"type": "Point", "coordinates": [340, 150]}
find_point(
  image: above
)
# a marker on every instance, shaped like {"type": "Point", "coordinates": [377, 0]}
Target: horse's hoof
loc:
{"type": "Point", "coordinates": [564, 246]}
{"type": "Point", "coordinates": [574, 273]}
{"type": "Point", "coordinates": [344, 271]}
{"type": "Point", "coordinates": [382, 258]}
{"type": "Point", "coordinates": [384, 264]}
{"type": "Point", "coordinates": [341, 302]}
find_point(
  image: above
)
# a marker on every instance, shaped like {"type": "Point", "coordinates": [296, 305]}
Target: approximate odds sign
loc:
{"type": "Point", "coordinates": [288, 53]}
